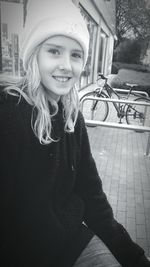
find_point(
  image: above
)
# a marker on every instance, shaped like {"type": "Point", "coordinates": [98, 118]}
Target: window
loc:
{"type": "Point", "coordinates": [87, 75]}
{"type": "Point", "coordinates": [102, 52]}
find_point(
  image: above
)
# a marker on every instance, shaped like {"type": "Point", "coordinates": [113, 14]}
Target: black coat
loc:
{"type": "Point", "coordinates": [47, 191]}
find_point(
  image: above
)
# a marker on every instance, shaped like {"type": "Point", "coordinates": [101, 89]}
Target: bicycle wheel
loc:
{"type": "Point", "coordinates": [94, 109]}
{"type": "Point", "coordinates": [136, 114]}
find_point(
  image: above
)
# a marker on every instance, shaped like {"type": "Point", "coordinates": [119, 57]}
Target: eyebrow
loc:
{"type": "Point", "coordinates": [60, 47]}
{"type": "Point", "coordinates": [53, 45]}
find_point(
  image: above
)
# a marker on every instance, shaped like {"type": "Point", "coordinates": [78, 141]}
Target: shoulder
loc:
{"type": "Point", "coordinates": [6, 98]}
{"type": "Point", "coordinates": [9, 105]}
{"type": "Point", "coordinates": [3, 95]}
{"type": "Point", "coordinates": [12, 99]}
{"type": "Point", "coordinates": [14, 111]}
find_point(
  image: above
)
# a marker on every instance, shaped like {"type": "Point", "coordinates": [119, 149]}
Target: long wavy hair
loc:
{"type": "Point", "coordinates": [30, 88]}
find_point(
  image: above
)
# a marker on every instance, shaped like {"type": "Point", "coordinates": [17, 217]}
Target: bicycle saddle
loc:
{"type": "Point", "coordinates": [131, 84]}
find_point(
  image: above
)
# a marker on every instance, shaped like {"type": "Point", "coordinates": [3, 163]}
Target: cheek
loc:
{"type": "Point", "coordinates": [43, 62]}
{"type": "Point", "coordinates": [78, 70]}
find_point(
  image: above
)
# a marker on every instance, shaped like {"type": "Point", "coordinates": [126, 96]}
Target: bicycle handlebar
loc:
{"type": "Point", "coordinates": [100, 75]}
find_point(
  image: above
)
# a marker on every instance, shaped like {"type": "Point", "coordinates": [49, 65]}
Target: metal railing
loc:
{"type": "Point", "coordinates": [140, 93]}
{"type": "Point", "coordinates": [118, 125]}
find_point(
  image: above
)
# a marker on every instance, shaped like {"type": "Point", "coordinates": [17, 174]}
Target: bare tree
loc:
{"type": "Point", "coordinates": [132, 20]}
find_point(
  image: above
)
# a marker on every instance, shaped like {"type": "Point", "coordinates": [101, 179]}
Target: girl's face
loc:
{"type": "Point", "coordinates": [60, 61]}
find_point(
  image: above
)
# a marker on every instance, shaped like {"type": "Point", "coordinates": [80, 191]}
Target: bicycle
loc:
{"type": "Point", "coordinates": [99, 110]}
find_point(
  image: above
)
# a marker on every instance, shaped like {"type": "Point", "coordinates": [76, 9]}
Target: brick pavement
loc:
{"type": "Point", "coordinates": [125, 172]}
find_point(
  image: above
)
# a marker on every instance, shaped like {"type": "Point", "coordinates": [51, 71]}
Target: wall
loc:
{"type": "Point", "coordinates": [102, 13]}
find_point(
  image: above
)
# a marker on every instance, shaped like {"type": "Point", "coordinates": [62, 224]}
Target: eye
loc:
{"type": "Point", "coordinates": [77, 55]}
{"type": "Point", "coordinates": [54, 51]}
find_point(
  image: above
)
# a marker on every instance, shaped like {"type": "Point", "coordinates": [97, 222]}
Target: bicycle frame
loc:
{"type": "Point", "coordinates": [119, 107]}
{"type": "Point", "coordinates": [110, 91]}
{"type": "Point", "coordinates": [129, 111]}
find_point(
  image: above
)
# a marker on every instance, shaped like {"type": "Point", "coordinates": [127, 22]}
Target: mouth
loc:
{"type": "Point", "coordinates": [61, 79]}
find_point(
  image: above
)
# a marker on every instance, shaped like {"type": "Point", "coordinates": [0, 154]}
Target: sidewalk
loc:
{"type": "Point", "coordinates": [124, 168]}
{"type": "Point", "coordinates": [125, 172]}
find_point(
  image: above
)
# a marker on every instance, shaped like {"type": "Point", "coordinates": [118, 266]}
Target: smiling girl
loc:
{"type": "Point", "coordinates": [54, 212]}
{"type": "Point", "coordinates": [60, 61]}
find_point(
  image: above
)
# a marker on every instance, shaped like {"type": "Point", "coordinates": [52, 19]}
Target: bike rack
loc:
{"type": "Point", "coordinates": [133, 91]}
{"type": "Point", "coordinates": [117, 125]}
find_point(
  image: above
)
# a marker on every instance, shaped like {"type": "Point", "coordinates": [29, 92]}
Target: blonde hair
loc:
{"type": "Point", "coordinates": [31, 89]}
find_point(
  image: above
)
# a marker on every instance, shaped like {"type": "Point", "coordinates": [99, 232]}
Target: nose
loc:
{"type": "Point", "coordinates": [65, 62]}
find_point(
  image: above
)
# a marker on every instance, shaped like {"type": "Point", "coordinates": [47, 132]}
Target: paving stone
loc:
{"type": "Point", "coordinates": [139, 208]}
{"type": "Point", "coordinates": [122, 197]}
{"type": "Point", "coordinates": [140, 218]}
{"type": "Point", "coordinates": [131, 223]}
{"type": "Point", "coordinates": [131, 212]}
{"type": "Point", "coordinates": [138, 198]}
{"type": "Point", "coordinates": [122, 206]}
{"type": "Point", "coordinates": [141, 231]}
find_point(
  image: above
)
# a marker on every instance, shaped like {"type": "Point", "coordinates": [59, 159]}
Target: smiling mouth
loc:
{"type": "Point", "coordinates": [61, 78]}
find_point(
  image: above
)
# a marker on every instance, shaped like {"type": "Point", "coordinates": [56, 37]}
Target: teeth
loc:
{"type": "Point", "coordinates": [61, 79]}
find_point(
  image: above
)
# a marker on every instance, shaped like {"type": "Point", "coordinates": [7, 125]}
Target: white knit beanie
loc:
{"type": "Point", "coordinates": [47, 18]}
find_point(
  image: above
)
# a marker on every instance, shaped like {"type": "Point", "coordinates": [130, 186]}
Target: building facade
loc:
{"type": "Point", "coordinates": [11, 18]}
{"type": "Point", "coordinates": [100, 18]}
